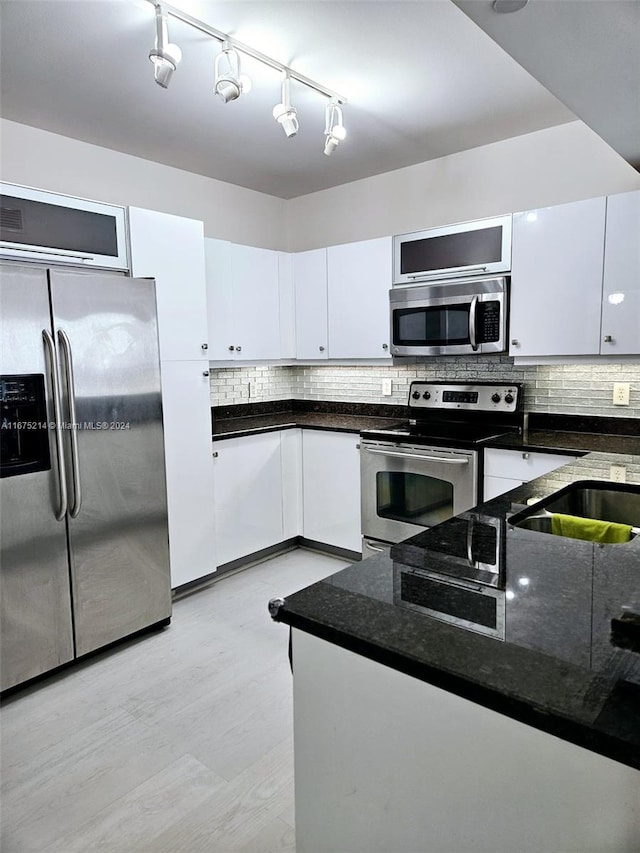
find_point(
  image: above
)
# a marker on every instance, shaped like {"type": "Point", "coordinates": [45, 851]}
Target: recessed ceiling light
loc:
{"type": "Point", "coordinates": [503, 6]}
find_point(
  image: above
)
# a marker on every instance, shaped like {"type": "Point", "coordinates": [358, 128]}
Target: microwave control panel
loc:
{"type": "Point", "coordinates": [485, 397]}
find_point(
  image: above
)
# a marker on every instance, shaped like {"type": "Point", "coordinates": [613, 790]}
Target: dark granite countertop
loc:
{"type": "Point", "coordinates": [554, 668]}
{"type": "Point", "coordinates": [557, 441]}
{"type": "Point", "coordinates": [548, 433]}
{"type": "Point", "coordinates": [246, 419]}
{"type": "Point", "coordinates": [234, 427]}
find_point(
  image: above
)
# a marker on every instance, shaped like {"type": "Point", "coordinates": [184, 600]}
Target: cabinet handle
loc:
{"type": "Point", "coordinates": [515, 342]}
{"type": "Point", "coordinates": [608, 339]}
{"type": "Point", "coordinates": [525, 455]}
{"type": "Point", "coordinates": [215, 454]}
{"type": "Point", "coordinates": [231, 348]}
{"type": "Point", "coordinates": [385, 346]}
{"type": "Point", "coordinates": [321, 349]}
{"type": "Point", "coordinates": [205, 372]}
{"type": "Point", "coordinates": [205, 346]}
{"type": "Point", "coordinates": [238, 349]}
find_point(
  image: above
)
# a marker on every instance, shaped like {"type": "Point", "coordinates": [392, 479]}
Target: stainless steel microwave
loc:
{"type": "Point", "coordinates": [463, 318]}
{"type": "Point", "coordinates": [482, 247]}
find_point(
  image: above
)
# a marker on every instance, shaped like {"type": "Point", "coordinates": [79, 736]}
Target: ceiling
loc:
{"type": "Point", "coordinates": [586, 53]}
{"type": "Point", "coordinates": [422, 79]}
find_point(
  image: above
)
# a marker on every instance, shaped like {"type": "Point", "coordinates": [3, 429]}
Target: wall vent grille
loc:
{"type": "Point", "coordinates": [10, 218]}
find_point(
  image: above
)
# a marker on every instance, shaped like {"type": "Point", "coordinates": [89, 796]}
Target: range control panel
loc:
{"type": "Point", "coordinates": [479, 397]}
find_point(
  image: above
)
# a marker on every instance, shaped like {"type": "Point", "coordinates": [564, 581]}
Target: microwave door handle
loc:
{"type": "Point", "coordinates": [472, 323]}
{"type": "Point", "coordinates": [470, 542]}
{"type": "Point", "coordinates": [402, 455]}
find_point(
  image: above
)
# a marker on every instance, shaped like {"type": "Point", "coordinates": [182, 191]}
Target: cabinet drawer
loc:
{"type": "Point", "coordinates": [521, 465]}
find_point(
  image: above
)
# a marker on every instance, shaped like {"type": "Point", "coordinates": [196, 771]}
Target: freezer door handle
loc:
{"type": "Point", "coordinates": [50, 351]}
{"type": "Point", "coordinates": [65, 347]}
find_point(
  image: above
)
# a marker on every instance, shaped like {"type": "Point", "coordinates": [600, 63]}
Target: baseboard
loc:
{"type": "Point", "coordinates": [334, 550]}
{"type": "Point", "coordinates": [258, 556]}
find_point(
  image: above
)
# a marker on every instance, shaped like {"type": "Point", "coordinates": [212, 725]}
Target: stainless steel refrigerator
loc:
{"type": "Point", "coordinates": [83, 511]}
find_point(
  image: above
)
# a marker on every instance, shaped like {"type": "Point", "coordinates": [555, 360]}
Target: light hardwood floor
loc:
{"type": "Point", "coordinates": [177, 742]}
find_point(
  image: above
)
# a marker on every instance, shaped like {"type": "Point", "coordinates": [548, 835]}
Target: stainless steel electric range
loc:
{"type": "Point", "coordinates": [427, 469]}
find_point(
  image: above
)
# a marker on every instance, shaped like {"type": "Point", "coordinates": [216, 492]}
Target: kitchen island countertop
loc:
{"type": "Point", "coordinates": [555, 668]}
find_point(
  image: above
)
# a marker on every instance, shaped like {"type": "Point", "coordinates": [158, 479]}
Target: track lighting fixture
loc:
{"type": "Point", "coordinates": [230, 83]}
{"type": "Point", "coordinates": [334, 129]}
{"type": "Point", "coordinates": [165, 56]}
{"type": "Point", "coordinates": [284, 113]}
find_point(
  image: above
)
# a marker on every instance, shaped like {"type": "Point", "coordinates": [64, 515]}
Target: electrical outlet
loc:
{"type": "Point", "coordinates": [387, 388]}
{"type": "Point", "coordinates": [618, 474]}
{"type": "Point", "coordinates": [620, 393]}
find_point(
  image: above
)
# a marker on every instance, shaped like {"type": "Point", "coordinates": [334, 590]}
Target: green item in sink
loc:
{"type": "Point", "coordinates": [589, 529]}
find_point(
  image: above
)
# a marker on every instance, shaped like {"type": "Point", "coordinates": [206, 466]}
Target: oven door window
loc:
{"type": "Point", "coordinates": [440, 325]}
{"type": "Point", "coordinates": [413, 498]}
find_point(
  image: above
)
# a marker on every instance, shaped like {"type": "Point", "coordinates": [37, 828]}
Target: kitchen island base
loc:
{"type": "Point", "coordinates": [386, 762]}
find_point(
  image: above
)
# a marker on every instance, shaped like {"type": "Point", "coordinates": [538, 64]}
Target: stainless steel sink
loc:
{"type": "Point", "coordinates": [617, 502]}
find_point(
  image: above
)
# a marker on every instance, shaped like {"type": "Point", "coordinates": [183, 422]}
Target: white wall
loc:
{"type": "Point", "coordinates": [552, 166]}
{"type": "Point", "coordinates": [49, 161]}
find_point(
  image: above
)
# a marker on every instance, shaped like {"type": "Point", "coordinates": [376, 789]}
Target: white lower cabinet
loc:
{"type": "Point", "coordinates": [248, 495]}
{"type": "Point", "coordinates": [331, 488]}
{"type": "Point", "coordinates": [187, 447]}
{"type": "Point", "coordinates": [275, 486]}
{"type": "Point", "coordinates": [506, 469]}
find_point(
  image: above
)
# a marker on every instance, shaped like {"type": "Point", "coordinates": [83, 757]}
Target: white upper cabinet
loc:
{"type": "Point", "coordinates": [310, 283]}
{"type": "Point", "coordinates": [243, 301]}
{"type": "Point", "coordinates": [556, 279]}
{"type": "Point", "coordinates": [171, 250]}
{"type": "Point", "coordinates": [621, 289]}
{"type": "Point", "coordinates": [359, 279]}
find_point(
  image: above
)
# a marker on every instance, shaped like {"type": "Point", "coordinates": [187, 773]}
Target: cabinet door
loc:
{"type": "Point", "coordinates": [310, 282]}
{"type": "Point", "coordinates": [217, 256]}
{"type": "Point", "coordinates": [621, 290]}
{"type": "Point", "coordinates": [171, 250]}
{"type": "Point", "coordinates": [248, 495]}
{"type": "Point", "coordinates": [359, 279]}
{"type": "Point", "coordinates": [256, 303]}
{"type": "Point", "coordinates": [291, 453]}
{"type": "Point", "coordinates": [556, 279]}
{"type": "Point", "coordinates": [287, 306]}
{"type": "Point", "coordinates": [506, 469]}
{"type": "Point", "coordinates": [187, 443]}
{"type": "Point", "coordinates": [331, 488]}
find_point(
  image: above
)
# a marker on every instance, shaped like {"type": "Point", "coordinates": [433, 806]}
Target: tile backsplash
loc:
{"type": "Point", "coordinates": [576, 389]}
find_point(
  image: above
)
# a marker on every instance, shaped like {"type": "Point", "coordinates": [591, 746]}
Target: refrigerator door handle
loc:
{"type": "Point", "coordinates": [50, 351]}
{"type": "Point", "coordinates": [65, 346]}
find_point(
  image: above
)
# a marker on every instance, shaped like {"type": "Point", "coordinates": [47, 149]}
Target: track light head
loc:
{"type": "Point", "coordinates": [334, 129]}
{"type": "Point", "coordinates": [229, 83]}
{"type": "Point", "coordinates": [284, 113]}
{"type": "Point", "coordinates": [165, 56]}
{"type": "Point", "coordinates": [287, 116]}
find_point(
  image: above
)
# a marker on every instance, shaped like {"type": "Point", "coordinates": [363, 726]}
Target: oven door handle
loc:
{"type": "Point", "coordinates": [472, 323]}
{"type": "Point", "coordinates": [401, 455]}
